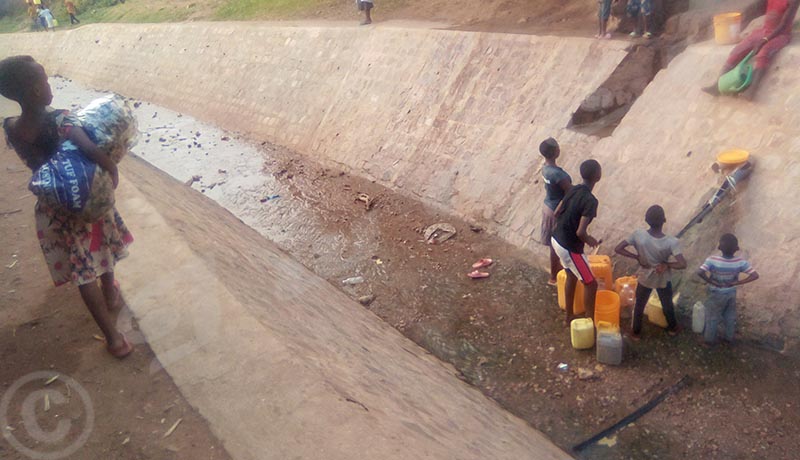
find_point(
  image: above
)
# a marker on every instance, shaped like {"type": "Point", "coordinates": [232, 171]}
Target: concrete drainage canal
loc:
{"type": "Point", "coordinates": [503, 334]}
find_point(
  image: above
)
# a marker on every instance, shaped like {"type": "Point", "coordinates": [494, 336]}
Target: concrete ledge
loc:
{"type": "Point", "coordinates": [281, 363]}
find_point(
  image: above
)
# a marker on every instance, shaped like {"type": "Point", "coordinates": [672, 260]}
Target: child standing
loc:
{"type": "Point", "coordinates": [603, 14]}
{"type": "Point", "coordinates": [640, 11]}
{"type": "Point", "coordinates": [365, 6]}
{"type": "Point", "coordinates": [75, 251]}
{"type": "Point", "coordinates": [72, 11]}
{"type": "Point", "coordinates": [722, 276]}
{"type": "Point", "coordinates": [654, 249]}
{"type": "Point", "coordinates": [47, 18]}
{"type": "Point", "coordinates": [571, 233]}
{"type": "Point", "coordinates": [556, 184]}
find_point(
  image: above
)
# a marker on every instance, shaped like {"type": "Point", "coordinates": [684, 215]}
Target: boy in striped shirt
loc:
{"type": "Point", "coordinates": [722, 276]}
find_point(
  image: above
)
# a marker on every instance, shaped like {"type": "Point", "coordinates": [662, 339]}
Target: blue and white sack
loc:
{"type": "Point", "coordinates": [69, 180]}
{"type": "Point", "coordinates": [72, 182]}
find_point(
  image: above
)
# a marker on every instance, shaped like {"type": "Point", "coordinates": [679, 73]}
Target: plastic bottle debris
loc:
{"type": "Point", "coordinates": [563, 367]}
{"type": "Point", "coordinates": [268, 198]}
{"type": "Point", "coordinates": [366, 299]}
{"type": "Point", "coordinates": [354, 280]}
{"type": "Point", "coordinates": [439, 233]}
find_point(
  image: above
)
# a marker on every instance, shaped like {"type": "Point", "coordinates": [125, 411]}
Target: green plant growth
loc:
{"type": "Point", "coordinates": [250, 9]}
{"type": "Point", "coordinates": [115, 11]}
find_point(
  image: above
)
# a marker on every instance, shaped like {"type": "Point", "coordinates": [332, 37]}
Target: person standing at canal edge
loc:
{"type": "Point", "coordinates": [556, 184]}
{"type": "Point", "coordinates": [72, 12]}
{"type": "Point", "coordinates": [570, 235]}
{"type": "Point", "coordinates": [75, 251]}
{"type": "Point", "coordinates": [365, 6]}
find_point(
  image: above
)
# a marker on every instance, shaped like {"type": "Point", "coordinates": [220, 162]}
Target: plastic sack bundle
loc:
{"type": "Point", "coordinates": [71, 181]}
{"type": "Point", "coordinates": [109, 122]}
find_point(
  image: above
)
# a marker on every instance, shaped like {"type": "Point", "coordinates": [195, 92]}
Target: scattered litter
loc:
{"type": "Point", "coordinates": [378, 262]}
{"type": "Point", "coordinates": [365, 300]}
{"type": "Point", "coordinates": [193, 180]}
{"type": "Point", "coordinates": [14, 263]}
{"type": "Point", "coordinates": [608, 442]}
{"type": "Point", "coordinates": [51, 380]}
{"type": "Point", "coordinates": [9, 428]}
{"type": "Point", "coordinates": [586, 374]}
{"type": "Point", "coordinates": [563, 367]}
{"type": "Point", "coordinates": [172, 428]}
{"type": "Point", "coordinates": [353, 280]}
{"type": "Point", "coordinates": [366, 199]}
{"type": "Point", "coordinates": [271, 197]}
{"type": "Point", "coordinates": [476, 275]}
{"type": "Point", "coordinates": [482, 263]}
{"type": "Point", "coordinates": [126, 440]}
{"type": "Point", "coordinates": [47, 402]}
{"type": "Point", "coordinates": [439, 233]}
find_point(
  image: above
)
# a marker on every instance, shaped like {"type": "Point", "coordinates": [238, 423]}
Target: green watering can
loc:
{"type": "Point", "coordinates": [738, 78]}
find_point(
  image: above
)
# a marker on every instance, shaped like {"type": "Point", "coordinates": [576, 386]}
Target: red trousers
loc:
{"type": "Point", "coordinates": [764, 56]}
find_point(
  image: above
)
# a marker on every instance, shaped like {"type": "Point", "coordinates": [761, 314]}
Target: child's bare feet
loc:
{"type": "Point", "coordinates": [120, 348]}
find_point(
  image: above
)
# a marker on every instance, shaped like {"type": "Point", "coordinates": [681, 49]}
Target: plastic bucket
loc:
{"type": "Point", "coordinates": [738, 78]}
{"type": "Point", "coordinates": [727, 27]}
{"type": "Point", "coordinates": [606, 307]}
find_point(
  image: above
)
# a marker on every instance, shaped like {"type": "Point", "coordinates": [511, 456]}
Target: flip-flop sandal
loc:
{"type": "Point", "coordinates": [122, 352]}
{"type": "Point", "coordinates": [476, 275]}
{"type": "Point", "coordinates": [482, 263]}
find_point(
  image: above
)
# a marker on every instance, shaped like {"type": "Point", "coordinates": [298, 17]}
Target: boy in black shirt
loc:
{"type": "Point", "coordinates": [573, 216]}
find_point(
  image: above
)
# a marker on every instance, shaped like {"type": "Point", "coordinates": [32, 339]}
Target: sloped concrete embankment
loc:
{"type": "Point", "coordinates": [281, 363]}
{"type": "Point", "coordinates": [662, 153]}
{"type": "Point", "coordinates": [453, 118]}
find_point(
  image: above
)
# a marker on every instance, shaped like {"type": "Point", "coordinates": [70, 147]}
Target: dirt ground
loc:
{"type": "Point", "coordinates": [124, 409]}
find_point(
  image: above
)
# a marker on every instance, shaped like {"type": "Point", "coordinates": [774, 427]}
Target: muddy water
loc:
{"type": "Point", "coordinates": [504, 333]}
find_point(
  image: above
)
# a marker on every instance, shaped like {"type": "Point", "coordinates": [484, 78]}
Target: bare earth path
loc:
{"type": "Point", "coordinates": [47, 329]}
